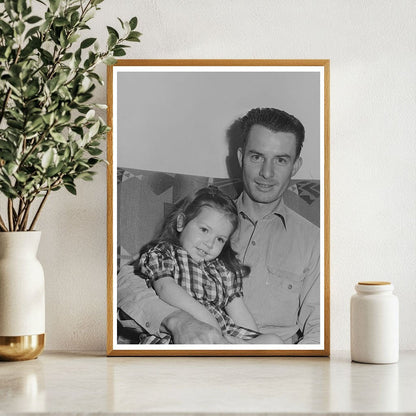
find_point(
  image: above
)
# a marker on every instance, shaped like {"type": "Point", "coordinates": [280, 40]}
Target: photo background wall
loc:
{"type": "Point", "coordinates": [162, 117]}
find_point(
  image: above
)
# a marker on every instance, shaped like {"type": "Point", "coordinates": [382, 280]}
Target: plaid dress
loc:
{"type": "Point", "coordinates": [210, 283]}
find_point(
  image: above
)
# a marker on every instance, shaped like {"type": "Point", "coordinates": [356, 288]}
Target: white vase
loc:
{"type": "Point", "coordinates": [22, 296]}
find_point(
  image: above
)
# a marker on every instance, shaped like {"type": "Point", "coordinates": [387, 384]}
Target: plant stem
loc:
{"type": "Point", "coordinates": [21, 212]}
{"type": "Point", "coordinates": [3, 108]}
{"type": "Point", "coordinates": [26, 216]}
{"type": "Point", "coordinates": [39, 209]}
{"type": "Point", "coordinates": [10, 213]}
{"type": "Point", "coordinates": [2, 225]}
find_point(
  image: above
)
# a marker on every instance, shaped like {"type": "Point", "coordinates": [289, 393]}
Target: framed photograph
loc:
{"type": "Point", "coordinates": [218, 208]}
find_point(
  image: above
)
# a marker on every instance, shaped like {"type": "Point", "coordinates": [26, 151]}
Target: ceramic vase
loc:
{"type": "Point", "coordinates": [22, 296]}
{"type": "Point", "coordinates": [374, 323]}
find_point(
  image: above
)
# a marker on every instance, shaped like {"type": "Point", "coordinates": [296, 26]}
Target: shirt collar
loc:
{"type": "Point", "coordinates": [280, 211]}
{"type": "Point", "coordinates": [182, 252]}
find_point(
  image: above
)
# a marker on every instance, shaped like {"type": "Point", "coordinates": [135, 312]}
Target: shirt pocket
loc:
{"type": "Point", "coordinates": [289, 282]}
{"type": "Point", "coordinates": [285, 288]}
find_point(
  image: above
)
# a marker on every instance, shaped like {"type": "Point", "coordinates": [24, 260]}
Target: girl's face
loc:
{"type": "Point", "coordinates": [204, 236]}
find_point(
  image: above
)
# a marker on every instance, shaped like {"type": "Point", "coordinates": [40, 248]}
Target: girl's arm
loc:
{"type": "Point", "coordinates": [239, 313]}
{"type": "Point", "coordinates": [170, 292]}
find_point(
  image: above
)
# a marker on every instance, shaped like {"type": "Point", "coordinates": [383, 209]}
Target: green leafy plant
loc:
{"type": "Point", "coordinates": [50, 134]}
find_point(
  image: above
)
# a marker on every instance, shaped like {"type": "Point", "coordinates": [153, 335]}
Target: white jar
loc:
{"type": "Point", "coordinates": [374, 323]}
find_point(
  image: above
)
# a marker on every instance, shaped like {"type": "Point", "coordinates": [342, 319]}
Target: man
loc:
{"type": "Point", "coordinates": [281, 247]}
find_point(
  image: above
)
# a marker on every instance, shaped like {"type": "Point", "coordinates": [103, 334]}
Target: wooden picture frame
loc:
{"type": "Point", "coordinates": [166, 119]}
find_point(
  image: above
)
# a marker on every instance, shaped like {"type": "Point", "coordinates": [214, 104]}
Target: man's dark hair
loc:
{"type": "Point", "coordinates": [271, 118]}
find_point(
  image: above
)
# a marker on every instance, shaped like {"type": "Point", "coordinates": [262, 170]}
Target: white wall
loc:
{"type": "Point", "coordinates": [371, 45]}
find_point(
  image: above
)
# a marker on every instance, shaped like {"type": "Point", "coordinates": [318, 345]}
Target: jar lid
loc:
{"type": "Point", "coordinates": [373, 287]}
{"type": "Point", "coordinates": [373, 283]}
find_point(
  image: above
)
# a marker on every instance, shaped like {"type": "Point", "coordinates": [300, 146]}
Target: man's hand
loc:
{"type": "Point", "coordinates": [185, 329]}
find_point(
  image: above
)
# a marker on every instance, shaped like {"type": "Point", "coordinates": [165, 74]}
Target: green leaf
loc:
{"type": "Point", "coordinates": [7, 29]}
{"type": "Point", "coordinates": [82, 166]}
{"type": "Point", "coordinates": [119, 52]}
{"type": "Point", "coordinates": [33, 19]}
{"type": "Point", "coordinates": [89, 15]}
{"type": "Point", "coordinates": [82, 98]}
{"type": "Point", "coordinates": [94, 151]}
{"type": "Point", "coordinates": [87, 42]}
{"type": "Point", "coordinates": [94, 129]}
{"type": "Point", "coordinates": [31, 32]}
{"type": "Point", "coordinates": [112, 41]}
{"type": "Point", "coordinates": [70, 188]}
{"type": "Point", "coordinates": [27, 11]}
{"type": "Point", "coordinates": [21, 177]}
{"type": "Point", "coordinates": [11, 168]}
{"type": "Point", "coordinates": [121, 22]}
{"type": "Point", "coordinates": [20, 28]}
{"type": "Point", "coordinates": [21, 6]}
{"type": "Point", "coordinates": [63, 41]}
{"type": "Point", "coordinates": [90, 115]}
{"type": "Point", "coordinates": [134, 37]}
{"type": "Point", "coordinates": [47, 158]}
{"type": "Point", "coordinates": [32, 45]}
{"type": "Point", "coordinates": [133, 23]}
{"type": "Point", "coordinates": [10, 7]}
{"type": "Point", "coordinates": [49, 118]}
{"type": "Point", "coordinates": [52, 171]}
{"type": "Point", "coordinates": [31, 90]}
{"type": "Point", "coordinates": [86, 176]}
{"type": "Point", "coordinates": [74, 18]}
{"type": "Point", "coordinates": [61, 21]}
{"type": "Point", "coordinates": [112, 31]}
{"type": "Point", "coordinates": [16, 124]}
{"type": "Point", "coordinates": [110, 60]}
{"type": "Point", "coordinates": [78, 154]}
{"type": "Point", "coordinates": [46, 57]}
{"type": "Point", "coordinates": [4, 145]}
{"type": "Point", "coordinates": [53, 84]}
{"type": "Point", "coordinates": [54, 4]}
{"type": "Point", "coordinates": [8, 191]}
{"type": "Point", "coordinates": [60, 138]}
{"type": "Point", "coordinates": [92, 161]}
{"type": "Point", "coordinates": [73, 38]}
{"type": "Point", "coordinates": [67, 56]}
{"type": "Point", "coordinates": [67, 153]}
{"type": "Point", "coordinates": [35, 125]}
{"type": "Point", "coordinates": [64, 93]}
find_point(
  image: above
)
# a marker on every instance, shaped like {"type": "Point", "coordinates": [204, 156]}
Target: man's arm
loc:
{"type": "Point", "coordinates": [309, 312]}
{"type": "Point", "coordinates": [140, 302]}
{"type": "Point", "coordinates": [185, 329]}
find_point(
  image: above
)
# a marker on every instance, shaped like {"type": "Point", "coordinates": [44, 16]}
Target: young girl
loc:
{"type": "Point", "coordinates": [192, 266]}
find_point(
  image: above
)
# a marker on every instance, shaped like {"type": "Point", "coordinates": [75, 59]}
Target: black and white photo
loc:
{"type": "Point", "coordinates": [218, 202]}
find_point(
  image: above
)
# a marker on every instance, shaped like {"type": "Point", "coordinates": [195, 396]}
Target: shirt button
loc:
{"type": "Point", "coordinates": [290, 287]}
{"type": "Point", "coordinates": [147, 324]}
{"type": "Point", "coordinates": [253, 243]}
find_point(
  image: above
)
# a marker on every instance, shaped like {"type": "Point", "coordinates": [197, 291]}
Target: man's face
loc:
{"type": "Point", "coordinates": [268, 163]}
